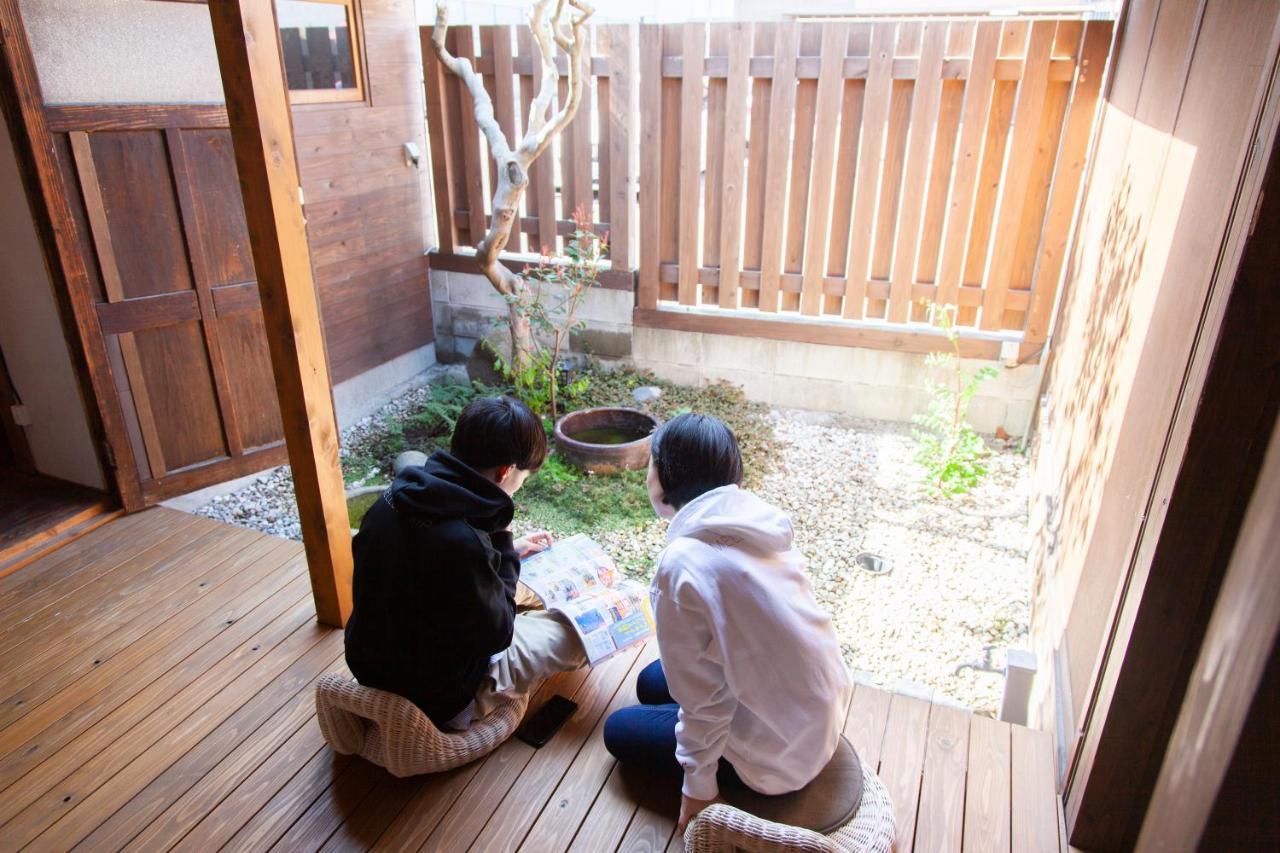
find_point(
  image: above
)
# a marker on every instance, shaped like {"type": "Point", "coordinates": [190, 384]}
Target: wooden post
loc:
{"type": "Point", "coordinates": [253, 80]}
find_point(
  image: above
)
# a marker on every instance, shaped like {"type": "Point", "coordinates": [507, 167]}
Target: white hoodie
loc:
{"type": "Point", "coordinates": [750, 656]}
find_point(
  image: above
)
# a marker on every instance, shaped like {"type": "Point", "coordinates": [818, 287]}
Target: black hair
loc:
{"type": "Point", "coordinates": [694, 454]}
{"type": "Point", "coordinates": [496, 431]}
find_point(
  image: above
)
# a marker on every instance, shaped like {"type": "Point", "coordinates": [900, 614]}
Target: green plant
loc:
{"type": "Point", "coordinates": [948, 448]}
{"type": "Point", "coordinates": [549, 306]}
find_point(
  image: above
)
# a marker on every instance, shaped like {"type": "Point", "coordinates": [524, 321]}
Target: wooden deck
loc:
{"type": "Point", "coordinates": [157, 693]}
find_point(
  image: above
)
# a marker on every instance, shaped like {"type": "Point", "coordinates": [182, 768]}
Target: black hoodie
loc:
{"type": "Point", "coordinates": [434, 586]}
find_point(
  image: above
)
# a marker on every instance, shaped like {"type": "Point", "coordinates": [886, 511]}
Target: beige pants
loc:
{"type": "Point", "coordinates": [543, 644]}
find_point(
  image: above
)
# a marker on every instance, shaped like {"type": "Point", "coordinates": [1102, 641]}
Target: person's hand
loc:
{"type": "Point", "coordinates": [532, 543]}
{"type": "Point", "coordinates": [689, 809]}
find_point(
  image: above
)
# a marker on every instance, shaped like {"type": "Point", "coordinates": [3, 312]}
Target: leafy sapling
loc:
{"type": "Point", "coordinates": [947, 447]}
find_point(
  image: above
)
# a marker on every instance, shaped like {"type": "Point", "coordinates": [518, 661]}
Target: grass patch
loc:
{"type": "Point", "coordinates": [566, 500]}
{"type": "Point", "coordinates": [358, 506]}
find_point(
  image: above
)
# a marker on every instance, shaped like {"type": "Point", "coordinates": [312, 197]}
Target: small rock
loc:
{"type": "Point", "coordinates": [407, 459]}
{"type": "Point", "coordinates": [646, 394]}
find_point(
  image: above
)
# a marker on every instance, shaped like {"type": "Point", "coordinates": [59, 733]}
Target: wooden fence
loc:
{"type": "Point", "coordinates": [590, 165]}
{"type": "Point", "coordinates": [850, 171]}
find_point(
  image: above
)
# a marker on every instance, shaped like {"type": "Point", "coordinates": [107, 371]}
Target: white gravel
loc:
{"type": "Point", "coordinates": [957, 595]}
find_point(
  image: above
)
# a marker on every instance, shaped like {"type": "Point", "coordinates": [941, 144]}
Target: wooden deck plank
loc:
{"type": "Point", "coordinates": [526, 798]}
{"type": "Point", "coordinates": [427, 807]}
{"type": "Point", "coordinates": [60, 783]}
{"type": "Point", "coordinates": [1034, 822]}
{"type": "Point", "coordinates": [902, 761]}
{"type": "Point", "coordinates": [577, 796]}
{"type": "Point", "coordinates": [48, 579]}
{"type": "Point", "coordinates": [247, 699]}
{"type": "Point", "coordinates": [986, 799]}
{"type": "Point", "coordinates": [187, 808]}
{"type": "Point", "coordinates": [202, 735]}
{"type": "Point", "coordinates": [192, 632]}
{"type": "Point", "coordinates": [864, 726]}
{"type": "Point", "coordinates": [940, 819]}
{"type": "Point", "coordinates": [80, 658]}
{"type": "Point", "coordinates": [37, 629]}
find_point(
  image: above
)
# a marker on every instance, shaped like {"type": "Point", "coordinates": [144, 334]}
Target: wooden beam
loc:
{"type": "Point", "coordinates": [247, 41]}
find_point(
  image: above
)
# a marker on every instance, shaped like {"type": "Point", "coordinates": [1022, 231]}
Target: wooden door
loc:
{"type": "Point", "coordinates": [162, 235]}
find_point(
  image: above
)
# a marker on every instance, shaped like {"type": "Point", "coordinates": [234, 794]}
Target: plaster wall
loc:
{"type": "Point", "coordinates": [123, 51]}
{"type": "Point", "coordinates": [33, 343]}
{"type": "Point", "coordinates": [863, 382]}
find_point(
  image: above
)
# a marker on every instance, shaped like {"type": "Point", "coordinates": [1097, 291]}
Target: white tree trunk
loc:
{"type": "Point", "coordinates": [564, 28]}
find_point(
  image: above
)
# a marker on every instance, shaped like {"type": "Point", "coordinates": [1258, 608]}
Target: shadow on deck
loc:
{"type": "Point", "coordinates": [157, 693]}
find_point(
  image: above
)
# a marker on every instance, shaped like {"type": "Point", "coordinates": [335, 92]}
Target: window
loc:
{"type": "Point", "coordinates": [321, 43]}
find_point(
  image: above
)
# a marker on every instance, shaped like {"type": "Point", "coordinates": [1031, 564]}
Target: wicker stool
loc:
{"type": "Point", "coordinates": [723, 829]}
{"type": "Point", "coordinates": [392, 732]}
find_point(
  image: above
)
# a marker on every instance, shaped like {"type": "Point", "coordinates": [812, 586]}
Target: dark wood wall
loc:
{"type": "Point", "coordinates": [365, 205]}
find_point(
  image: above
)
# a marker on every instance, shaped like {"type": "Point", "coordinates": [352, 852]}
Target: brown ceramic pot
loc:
{"type": "Point", "coordinates": [605, 458]}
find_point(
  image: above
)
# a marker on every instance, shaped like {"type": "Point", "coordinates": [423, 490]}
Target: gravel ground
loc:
{"type": "Point", "coordinates": [957, 594]}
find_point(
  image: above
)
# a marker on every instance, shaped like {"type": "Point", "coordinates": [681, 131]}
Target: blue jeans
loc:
{"type": "Point", "coordinates": [644, 735]}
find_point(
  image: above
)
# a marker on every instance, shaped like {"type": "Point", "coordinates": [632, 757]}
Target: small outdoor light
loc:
{"type": "Point", "coordinates": [873, 563]}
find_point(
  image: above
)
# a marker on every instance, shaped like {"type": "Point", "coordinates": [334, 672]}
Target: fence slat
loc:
{"type": "Point", "coordinates": [651, 166]}
{"type": "Point", "coordinates": [875, 114]}
{"type": "Point", "coordinates": [580, 129]}
{"type": "Point", "coordinates": [440, 122]}
{"type": "Point", "coordinates": [973, 128]}
{"type": "Point", "coordinates": [846, 167]}
{"type": "Point", "coordinates": [1066, 183]}
{"type": "Point", "coordinates": [738, 36]}
{"type": "Point", "coordinates": [762, 38]}
{"type": "Point", "coordinates": [542, 190]}
{"type": "Point", "coordinates": [893, 169]}
{"type": "Point", "coordinates": [1031, 96]}
{"type": "Point", "coordinates": [1013, 38]}
{"type": "Point", "coordinates": [604, 149]}
{"type": "Point", "coordinates": [694, 46]}
{"type": "Point", "coordinates": [802, 140]}
{"type": "Point", "coordinates": [713, 187]}
{"type": "Point", "coordinates": [781, 103]}
{"type": "Point", "coordinates": [834, 39]}
{"type": "Point", "coordinates": [924, 117]}
{"type": "Point", "coordinates": [469, 133]}
{"type": "Point", "coordinates": [621, 170]}
{"type": "Point", "coordinates": [672, 45]}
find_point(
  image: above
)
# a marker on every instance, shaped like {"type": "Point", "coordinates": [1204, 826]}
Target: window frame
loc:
{"type": "Point", "coordinates": [357, 93]}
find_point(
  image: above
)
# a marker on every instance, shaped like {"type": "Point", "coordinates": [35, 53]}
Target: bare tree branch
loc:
{"type": "Point", "coordinates": [481, 104]}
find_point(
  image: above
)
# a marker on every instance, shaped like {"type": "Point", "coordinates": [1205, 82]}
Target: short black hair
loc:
{"type": "Point", "coordinates": [694, 454]}
{"type": "Point", "coordinates": [496, 431]}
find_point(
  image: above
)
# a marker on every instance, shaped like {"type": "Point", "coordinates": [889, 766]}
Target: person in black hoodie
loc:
{"type": "Point", "coordinates": [434, 591]}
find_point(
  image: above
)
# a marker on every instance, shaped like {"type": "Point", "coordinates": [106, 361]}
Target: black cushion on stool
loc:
{"type": "Point", "coordinates": [824, 805]}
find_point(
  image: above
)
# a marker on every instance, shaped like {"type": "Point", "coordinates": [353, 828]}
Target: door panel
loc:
{"type": "Point", "coordinates": [172, 284]}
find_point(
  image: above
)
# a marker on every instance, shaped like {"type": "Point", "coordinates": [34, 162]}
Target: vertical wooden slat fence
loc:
{"type": "Point", "coordinates": [804, 171]}
{"type": "Point", "coordinates": [588, 166]}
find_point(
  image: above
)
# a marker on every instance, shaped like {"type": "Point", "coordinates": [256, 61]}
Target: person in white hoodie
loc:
{"type": "Point", "coordinates": [750, 687]}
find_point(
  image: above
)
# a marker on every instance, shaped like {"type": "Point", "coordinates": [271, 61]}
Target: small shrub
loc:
{"type": "Point", "coordinates": [551, 312]}
{"type": "Point", "coordinates": [948, 448]}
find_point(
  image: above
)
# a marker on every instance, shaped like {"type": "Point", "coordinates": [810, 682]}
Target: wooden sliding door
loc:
{"type": "Point", "coordinates": [160, 226]}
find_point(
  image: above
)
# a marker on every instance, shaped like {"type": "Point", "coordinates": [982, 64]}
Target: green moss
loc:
{"type": "Point", "coordinates": [566, 500]}
{"type": "Point", "coordinates": [358, 506]}
{"type": "Point", "coordinates": [561, 498]}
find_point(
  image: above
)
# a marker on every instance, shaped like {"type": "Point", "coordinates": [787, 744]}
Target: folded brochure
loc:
{"type": "Point", "coordinates": [577, 577]}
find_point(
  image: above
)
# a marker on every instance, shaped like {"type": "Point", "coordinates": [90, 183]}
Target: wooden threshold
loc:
{"type": "Point", "coordinates": [40, 514]}
{"type": "Point", "coordinates": [160, 697]}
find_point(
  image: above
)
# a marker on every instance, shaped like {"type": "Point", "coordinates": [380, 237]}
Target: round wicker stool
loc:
{"type": "Point", "coordinates": [724, 829]}
{"type": "Point", "coordinates": [392, 732]}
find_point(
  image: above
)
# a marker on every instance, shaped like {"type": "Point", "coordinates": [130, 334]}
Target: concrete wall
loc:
{"type": "Point", "coordinates": [464, 306]}
{"type": "Point", "coordinates": [866, 383]}
{"type": "Point", "coordinates": [367, 392]}
{"type": "Point", "coordinates": [123, 51]}
{"type": "Point", "coordinates": [863, 382]}
{"type": "Point", "coordinates": [33, 343]}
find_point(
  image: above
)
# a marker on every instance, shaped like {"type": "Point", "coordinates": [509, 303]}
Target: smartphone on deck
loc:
{"type": "Point", "coordinates": [546, 721]}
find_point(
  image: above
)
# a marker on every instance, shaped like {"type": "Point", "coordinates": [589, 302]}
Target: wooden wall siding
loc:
{"type": "Point", "coordinates": [885, 163]}
{"type": "Point", "coordinates": [589, 165]}
{"type": "Point", "coordinates": [364, 202]}
{"type": "Point", "coordinates": [163, 239]}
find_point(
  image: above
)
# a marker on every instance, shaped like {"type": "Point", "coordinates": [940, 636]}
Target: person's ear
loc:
{"type": "Point", "coordinates": [501, 473]}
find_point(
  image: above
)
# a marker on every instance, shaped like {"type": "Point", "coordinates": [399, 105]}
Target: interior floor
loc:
{"type": "Point", "coordinates": [37, 513]}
